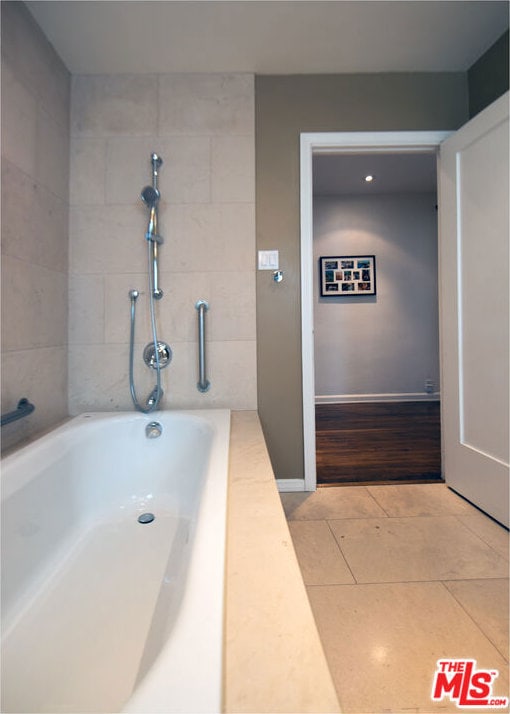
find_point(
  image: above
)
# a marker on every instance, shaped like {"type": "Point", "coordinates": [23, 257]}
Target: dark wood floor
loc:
{"type": "Point", "coordinates": [378, 442]}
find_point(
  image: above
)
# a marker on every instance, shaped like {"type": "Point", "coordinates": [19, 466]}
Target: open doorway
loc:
{"type": "Point", "coordinates": [376, 318]}
{"type": "Point", "coordinates": [344, 145]}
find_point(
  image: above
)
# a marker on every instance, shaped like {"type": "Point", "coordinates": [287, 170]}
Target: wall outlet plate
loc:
{"type": "Point", "coordinates": [429, 386]}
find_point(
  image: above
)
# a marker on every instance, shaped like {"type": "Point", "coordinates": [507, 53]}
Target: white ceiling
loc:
{"type": "Point", "coordinates": [270, 36]}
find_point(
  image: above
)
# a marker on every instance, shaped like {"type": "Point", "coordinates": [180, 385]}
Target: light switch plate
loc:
{"type": "Point", "coordinates": [268, 260]}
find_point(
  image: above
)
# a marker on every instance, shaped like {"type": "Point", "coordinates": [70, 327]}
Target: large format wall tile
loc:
{"type": "Point", "coordinates": [206, 104]}
{"type": "Point", "coordinates": [35, 195]}
{"type": "Point", "coordinates": [52, 155]}
{"type": "Point", "coordinates": [19, 122]}
{"type": "Point", "coordinates": [207, 221]}
{"type": "Point", "coordinates": [213, 237]}
{"type": "Point", "coordinates": [88, 171]}
{"type": "Point", "coordinates": [107, 105]}
{"type": "Point", "coordinates": [34, 220]}
{"type": "Point", "coordinates": [34, 306]}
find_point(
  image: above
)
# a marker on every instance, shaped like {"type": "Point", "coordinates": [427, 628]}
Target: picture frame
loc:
{"type": "Point", "coordinates": [347, 275]}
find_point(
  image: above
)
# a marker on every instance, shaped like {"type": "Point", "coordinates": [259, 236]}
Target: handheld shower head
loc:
{"type": "Point", "coordinates": [150, 196]}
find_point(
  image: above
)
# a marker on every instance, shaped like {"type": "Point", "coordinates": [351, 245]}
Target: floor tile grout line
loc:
{"type": "Point", "coordinates": [396, 517]}
{"type": "Point", "coordinates": [484, 540]}
{"type": "Point", "coordinates": [333, 518]}
{"type": "Point", "coordinates": [341, 552]}
{"type": "Point", "coordinates": [477, 625]}
{"type": "Point", "coordinates": [481, 539]}
{"type": "Point", "coordinates": [326, 517]}
{"type": "Point", "coordinates": [405, 582]}
{"type": "Point", "coordinates": [367, 489]}
{"type": "Point", "coordinates": [362, 516]}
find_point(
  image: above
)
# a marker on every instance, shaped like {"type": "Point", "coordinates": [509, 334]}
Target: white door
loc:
{"type": "Point", "coordinates": [474, 305]}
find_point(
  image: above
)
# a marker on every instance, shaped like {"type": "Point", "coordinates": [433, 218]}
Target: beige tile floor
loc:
{"type": "Point", "coordinates": [399, 577]}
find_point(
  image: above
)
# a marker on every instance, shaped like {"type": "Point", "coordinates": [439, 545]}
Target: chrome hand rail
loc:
{"type": "Point", "coordinates": [23, 409]}
{"type": "Point", "coordinates": [203, 383]}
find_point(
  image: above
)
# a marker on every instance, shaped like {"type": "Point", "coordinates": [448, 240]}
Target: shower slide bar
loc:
{"type": "Point", "coordinates": [23, 409]}
{"type": "Point", "coordinates": [203, 383]}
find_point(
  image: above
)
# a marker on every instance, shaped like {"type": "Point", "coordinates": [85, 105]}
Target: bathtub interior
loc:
{"type": "Point", "coordinates": [99, 469]}
{"type": "Point", "coordinates": [92, 597]}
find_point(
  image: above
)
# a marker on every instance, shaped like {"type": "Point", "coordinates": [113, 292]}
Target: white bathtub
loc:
{"type": "Point", "coordinates": [99, 612]}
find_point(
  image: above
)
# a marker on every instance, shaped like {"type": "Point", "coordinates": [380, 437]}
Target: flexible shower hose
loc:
{"type": "Point", "coordinates": [151, 407]}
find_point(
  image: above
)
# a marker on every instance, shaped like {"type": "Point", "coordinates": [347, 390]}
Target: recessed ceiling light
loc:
{"type": "Point", "coordinates": [369, 178]}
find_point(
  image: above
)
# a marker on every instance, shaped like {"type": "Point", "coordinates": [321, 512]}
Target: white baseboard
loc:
{"type": "Point", "coordinates": [285, 485]}
{"type": "Point", "coordinates": [354, 398]}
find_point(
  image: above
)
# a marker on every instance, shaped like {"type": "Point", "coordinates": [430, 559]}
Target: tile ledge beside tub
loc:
{"type": "Point", "coordinates": [274, 661]}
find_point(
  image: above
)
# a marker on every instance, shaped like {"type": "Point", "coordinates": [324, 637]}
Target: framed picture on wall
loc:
{"type": "Point", "coordinates": [347, 275]}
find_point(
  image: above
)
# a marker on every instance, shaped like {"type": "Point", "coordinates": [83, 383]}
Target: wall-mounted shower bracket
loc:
{"type": "Point", "coordinates": [164, 355]}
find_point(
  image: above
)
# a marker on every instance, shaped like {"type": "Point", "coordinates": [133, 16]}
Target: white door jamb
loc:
{"type": "Point", "coordinates": [335, 143]}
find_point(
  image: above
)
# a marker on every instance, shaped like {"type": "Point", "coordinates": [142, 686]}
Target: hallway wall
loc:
{"type": "Point", "coordinates": [387, 345]}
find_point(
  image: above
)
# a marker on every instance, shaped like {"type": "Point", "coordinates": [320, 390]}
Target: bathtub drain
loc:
{"type": "Point", "coordinates": [146, 518]}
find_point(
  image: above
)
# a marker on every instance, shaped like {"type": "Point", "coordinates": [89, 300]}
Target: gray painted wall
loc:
{"type": "Point", "coordinates": [285, 106]}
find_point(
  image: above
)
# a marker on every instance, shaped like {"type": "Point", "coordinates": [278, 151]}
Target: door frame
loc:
{"type": "Point", "coordinates": [404, 142]}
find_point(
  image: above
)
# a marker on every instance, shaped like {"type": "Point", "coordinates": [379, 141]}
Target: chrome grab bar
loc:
{"type": "Point", "coordinates": [203, 383]}
{"type": "Point", "coordinates": [23, 409]}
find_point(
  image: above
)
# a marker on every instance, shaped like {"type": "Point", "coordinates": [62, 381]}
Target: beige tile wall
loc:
{"type": "Point", "coordinates": [203, 127]}
{"type": "Point", "coordinates": [35, 180]}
